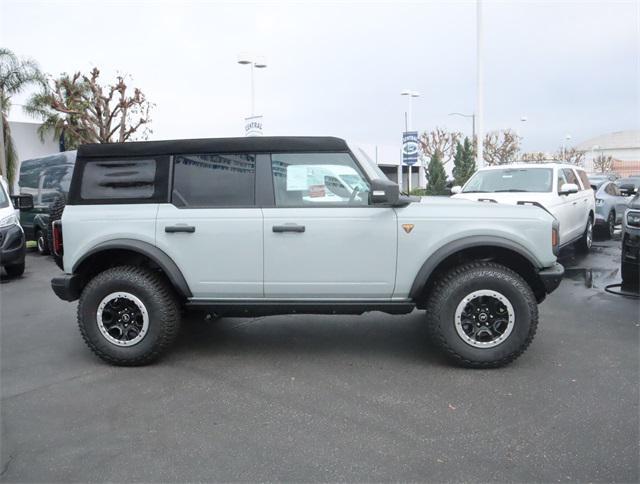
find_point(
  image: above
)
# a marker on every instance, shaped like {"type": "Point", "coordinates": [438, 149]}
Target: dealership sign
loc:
{"type": "Point", "coordinates": [410, 147]}
{"type": "Point", "coordinates": [253, 126]}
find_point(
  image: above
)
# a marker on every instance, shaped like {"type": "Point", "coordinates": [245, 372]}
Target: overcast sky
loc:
{"type": "Point", "coordinates": [338, 68]}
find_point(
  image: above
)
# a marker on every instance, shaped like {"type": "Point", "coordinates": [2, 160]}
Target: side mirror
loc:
{"type": "Point", "coordinates": [385, 192]}
{"type": "Point", "coordinates": [22, 202]}
{"type": "Point", "coordinates": [335, 186]}
{"type": "Point", "coordinates": [568, 188]}
{"type": "Point", "coordinates": [456, 189]}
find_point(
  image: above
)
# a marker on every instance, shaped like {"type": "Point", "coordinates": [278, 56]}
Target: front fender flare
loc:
{"type": "Point", "coordinates": [451, 248]}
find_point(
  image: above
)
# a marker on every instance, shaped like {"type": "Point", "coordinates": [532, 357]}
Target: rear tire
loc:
{"type": "Point", "coordinates": [42, 243]}
{"type": "Point", "coordinates": [586, 241]}
{"type": "Point", "coordinates": [128, 315]}
{"type": "Point", "coordinates": [496, 292]}
{"type": "Point", "coordinates": [611, 224]}
{"type": "Point", "coordinates": [15, 270]}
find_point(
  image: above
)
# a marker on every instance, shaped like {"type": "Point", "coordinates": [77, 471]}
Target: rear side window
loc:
{"type": "Point", "coordinates": [137, 180]}
{"type": "Point", "coordinates": [119, 179]}
{"type": "Point", "coordinates": [584, 179]}
{"type": "Point", "coordinates": [214, 180]}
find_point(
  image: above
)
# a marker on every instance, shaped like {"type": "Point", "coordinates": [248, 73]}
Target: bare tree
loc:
{"type": "Point", "coordinates": [535, 156]}
{"type": "Point", "coordinates": [79, 108]}
{"type": "Point", "coordinates": [603, 163]}
{"type": "Point", "coordinates": [570, 155]}
{"type": "Point", "coordinates": [441, 141]}
{"type": "Point", "coordinates": [501, 147]}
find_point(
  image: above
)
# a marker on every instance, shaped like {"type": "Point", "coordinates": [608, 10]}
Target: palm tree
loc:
{"type": "Point", "coordinates": [15, 75]}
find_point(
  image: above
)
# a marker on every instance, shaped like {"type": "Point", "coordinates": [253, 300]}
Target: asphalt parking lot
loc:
{"type": "Point", "coordinates": [318, 398]}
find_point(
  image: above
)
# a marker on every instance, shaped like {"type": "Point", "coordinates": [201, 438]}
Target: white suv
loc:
{"type": "Point", "coordinates": [561, 189]}
{"type": "Point", "coordinates": [287, 225]}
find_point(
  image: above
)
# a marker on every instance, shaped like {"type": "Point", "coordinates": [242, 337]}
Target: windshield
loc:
{"type": "Point", "coordinates": [511, 180]}
{"type": "Point", "coordinates": [4, 198]}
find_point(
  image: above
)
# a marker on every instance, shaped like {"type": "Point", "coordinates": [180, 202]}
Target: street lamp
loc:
{"type": "Point", "coordinates": [594, 148]}
{"type": "Point", "coordinates": [410, 94]}
{"type": "Point", "coordinates": [473, 123]}
{"type": "Point", "coordinates": [523, 119]}
{"type": "Point", "coordinates": [258, 63]}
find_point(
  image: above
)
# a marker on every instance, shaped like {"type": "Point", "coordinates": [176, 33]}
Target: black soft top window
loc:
{"type": "Point", "coordinates": [132, 180]}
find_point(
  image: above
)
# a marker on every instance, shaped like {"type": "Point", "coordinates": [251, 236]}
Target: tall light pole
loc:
{"type": "Point", "coordinates": [257, 63]}
{"type": "Point", "coordinates": [409, 122]}
{"type": "Point", "coordinates": [567, 138]}
{"type": "Point", "coordinates": [593, 155]}
{"type": "Point", "coordinates": [523, 119]}
{"type": "Point", "coordinates": [479, 107]}
{"type": "Point", "coordinates": [473, 122]}
{"type": "Point", "coordinates": [410, 94]}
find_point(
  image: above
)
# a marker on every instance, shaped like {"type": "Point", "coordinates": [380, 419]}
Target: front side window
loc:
{"type": "Point", "coordinates": [318, 179]}
{"type": "Point", "coordinates": [214, 180]}
{"type": "Point", "coordinates": [510, 180]}
{"type": "Point", "coordinates": [571, 177]}
{"type": "Point", "coordinates": [561, 180]}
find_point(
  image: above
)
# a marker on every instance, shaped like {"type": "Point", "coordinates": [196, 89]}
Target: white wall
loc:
{"type": "Point", "coordinates": [28, 144]}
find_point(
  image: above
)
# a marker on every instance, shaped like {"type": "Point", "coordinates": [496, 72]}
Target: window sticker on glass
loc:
{"type": "Point", "coordinates": [316, 191]}
{"type": "Point", "coordinates": [297, 177]}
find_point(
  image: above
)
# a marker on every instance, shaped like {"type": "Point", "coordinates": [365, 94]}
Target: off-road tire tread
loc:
{"type": "Point", "coordinates": [437, 299]}
{"type": "Point", "coordinates": [169, 312]}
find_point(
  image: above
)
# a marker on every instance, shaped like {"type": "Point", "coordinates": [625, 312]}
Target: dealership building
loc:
{"type": "Point", "coordinates": [622, 146]}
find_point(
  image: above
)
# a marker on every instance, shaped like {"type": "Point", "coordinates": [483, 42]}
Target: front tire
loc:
{"type": "Point", "coordinates": [128, 315]}
{"type": "Point", "coordinates": [15, 270]}
{"type": "Point", "coordinates": [482, 314]}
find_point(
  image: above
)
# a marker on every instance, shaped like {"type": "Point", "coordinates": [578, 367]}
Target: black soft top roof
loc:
{"type": "Point", "coordinates": [261, 144]}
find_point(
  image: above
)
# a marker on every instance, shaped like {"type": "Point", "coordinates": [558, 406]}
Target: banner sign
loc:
{"type": "Point", "coordinates": [410, 147]}
{"type": "Point", "coordinates": [253, 126]}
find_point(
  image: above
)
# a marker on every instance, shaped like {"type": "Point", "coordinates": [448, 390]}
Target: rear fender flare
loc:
{"type": "Point", "coordinates": [168, 266]}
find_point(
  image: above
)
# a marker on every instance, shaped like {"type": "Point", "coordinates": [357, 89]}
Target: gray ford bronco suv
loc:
{"type": "Point", "coordinates": [275, 225]}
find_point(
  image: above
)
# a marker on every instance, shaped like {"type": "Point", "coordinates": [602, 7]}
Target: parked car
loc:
{"type": "Point", "coordinates": [610, 206]}
{"type": "Point", "coordinates": [46, 179]}
{"type": "Point", "coordinates": [563, 190]}
{"type": "Point", "coordinates": [229, 227]}
{"type": "Point", "coordinates": [599, 178]}
{"type": "Point", "coordinates": [630, 260]}
{"type": "Point", "coordinates": [12, 240]}
{"type": "Point", "coordinates": [629, 185]}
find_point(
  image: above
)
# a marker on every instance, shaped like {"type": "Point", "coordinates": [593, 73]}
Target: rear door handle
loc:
{"type": "Point", "coordinates": [172, 229]}
{"type": "Point", "coordinates": [289, 228]}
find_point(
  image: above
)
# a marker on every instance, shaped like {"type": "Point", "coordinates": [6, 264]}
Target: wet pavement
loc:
{"type": "Point", "coordinates": [319, 398]}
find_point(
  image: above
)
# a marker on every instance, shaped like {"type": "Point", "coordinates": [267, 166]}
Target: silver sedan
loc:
{"type": "Point", "coordinates": [610, 206]}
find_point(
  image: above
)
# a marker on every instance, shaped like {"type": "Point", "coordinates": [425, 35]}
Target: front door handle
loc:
{"type": "Point", "coordinates": [172, 229]}
{"type": "Point", "coordinates": [289, 228]}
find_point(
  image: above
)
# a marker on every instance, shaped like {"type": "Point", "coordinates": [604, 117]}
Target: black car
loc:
{"type": "Point", "coordinates": [629, 184]}
{"type": "Point", "coordinates": [630, 264]}
{"type": "Point", "coordinates": [47, 180]}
